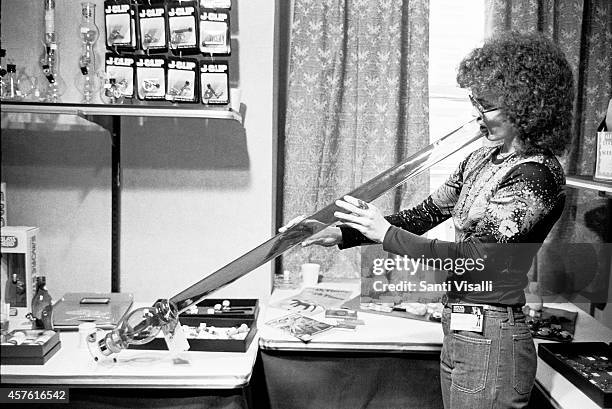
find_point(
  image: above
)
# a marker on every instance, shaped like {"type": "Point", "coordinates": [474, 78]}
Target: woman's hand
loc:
{"type": "Point", "coordinates": [327, 237]}
{"type": "Point", "coordinates": [364, 217]}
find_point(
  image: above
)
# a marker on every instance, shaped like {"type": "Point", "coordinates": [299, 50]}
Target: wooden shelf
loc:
{"type": "Point", "coordinates": [83, 110]}
{"type": "Point", "coordinates": [587, 182]}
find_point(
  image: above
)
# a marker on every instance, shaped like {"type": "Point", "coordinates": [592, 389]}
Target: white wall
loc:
{"type": "Point", "coordinates": [196, 193]}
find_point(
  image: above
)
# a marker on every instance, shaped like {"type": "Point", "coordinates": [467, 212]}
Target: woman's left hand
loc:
{"type": "Point", "coordinates": [364, 217]}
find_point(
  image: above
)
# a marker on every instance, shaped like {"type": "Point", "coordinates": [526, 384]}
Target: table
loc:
{"type": "Point", "coordinates": [389, 362]}
{"type": "Point", "coordinates": [142, 378]}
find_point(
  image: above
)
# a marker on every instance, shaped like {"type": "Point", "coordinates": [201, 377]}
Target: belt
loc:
{"type": "Point", "coordinates": [447, 301]}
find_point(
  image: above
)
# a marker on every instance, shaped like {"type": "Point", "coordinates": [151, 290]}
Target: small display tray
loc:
{"type": "Point", "coordinates": [551, 323]}
{"type": "Point", "coordinates": [249, 310]}
{"type": "Point", "coordinates": [239, 308]}
{"type": "Point", "coordinates": [28, 352]}
{"type": "Point", "coordinates": [588, 365]}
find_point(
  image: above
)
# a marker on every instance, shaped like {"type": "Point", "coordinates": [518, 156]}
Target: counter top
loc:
{"type": "Point", "coordinates": [137, 369]}
{"type": "Point", "coordinates": [381, 333]}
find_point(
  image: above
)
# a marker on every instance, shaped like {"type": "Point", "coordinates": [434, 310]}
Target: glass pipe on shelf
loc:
{"type": "Point", "coordinates": [49, 60]}
{"type": "Point", "coordinates": [10, 84]}
{"type": "Point", "coordinates": [3, 73]}
{"type": "Point", "coordinates": [87, 81]}
{"type": "Point", "coordinates": [17, 84]}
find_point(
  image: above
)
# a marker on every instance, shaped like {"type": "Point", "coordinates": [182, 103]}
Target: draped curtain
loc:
{"type": "Point", "coordinates": [583, 30]}
{"type": "Point", "coordinates": [357, 98]}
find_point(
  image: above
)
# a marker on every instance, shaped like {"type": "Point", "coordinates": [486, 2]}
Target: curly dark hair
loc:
{"type": "Point", "coordinates": [534, 83]}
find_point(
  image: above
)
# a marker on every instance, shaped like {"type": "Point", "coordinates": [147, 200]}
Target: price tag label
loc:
{"type": "Point", "coordinates": [466, 317]}
{"type": "Point", "coordinates": [176, 340]}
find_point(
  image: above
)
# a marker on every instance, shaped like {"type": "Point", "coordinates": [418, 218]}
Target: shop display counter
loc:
{"type": "Point", "coordinates": [142, 378]}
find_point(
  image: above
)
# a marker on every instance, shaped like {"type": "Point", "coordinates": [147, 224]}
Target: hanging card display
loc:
{"type": "Point", "coordinates": [152, 23]}
{"type": "Point", "coordinates": [216, 4]}
{"type": "Point", "coordinates": [151, 78]}
{"type": "Point", "coordinates": [183, 26]}
{"type": "Point", "coordinates": [214, 80]}
{"type": "Point", "coordinates": [182, 80]}
{"type": "Point", "coordinates": [119, 82]}
{"type": "Point", "coordinates": [214, 31]}
{"type": "Point", "coordinates": [120, 23]}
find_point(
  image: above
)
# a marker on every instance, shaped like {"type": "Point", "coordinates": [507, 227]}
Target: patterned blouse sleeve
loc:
{"type": "Point", "coordinates": [522, 210]}
{"type": "Point", "coordinates": [527, 194]}
{"type": "Point", "coordinates": [425, 216]}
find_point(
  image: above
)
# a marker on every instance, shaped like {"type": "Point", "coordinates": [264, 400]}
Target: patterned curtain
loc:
{"type": "Point", "coordinates": [583, 30]}
{"type": "Point", "coordinates": [357, 97]}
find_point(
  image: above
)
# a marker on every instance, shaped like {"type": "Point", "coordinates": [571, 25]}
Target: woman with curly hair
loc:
{"type": "Point", "coordinates": [522, 90]}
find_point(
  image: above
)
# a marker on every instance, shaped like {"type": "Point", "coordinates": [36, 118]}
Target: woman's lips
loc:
{"type": "Point", "coordinates": [483, 129]}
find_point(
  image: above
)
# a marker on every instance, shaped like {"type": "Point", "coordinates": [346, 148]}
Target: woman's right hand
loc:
{"type": "Point", "coordinates": [328, 237]}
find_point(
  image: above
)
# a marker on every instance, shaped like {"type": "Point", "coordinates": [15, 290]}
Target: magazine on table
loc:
{"type": "Point", "coordinates": [300, 326]}
{"type": "Point", "coordinates": [314, 300]}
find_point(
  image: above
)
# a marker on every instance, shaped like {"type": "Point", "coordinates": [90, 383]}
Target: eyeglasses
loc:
{"type": "Point", "coordinates": [480, 108]}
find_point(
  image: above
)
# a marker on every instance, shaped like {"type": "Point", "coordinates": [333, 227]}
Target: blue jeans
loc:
{"type": "Point", "coordinates": [492, 370]}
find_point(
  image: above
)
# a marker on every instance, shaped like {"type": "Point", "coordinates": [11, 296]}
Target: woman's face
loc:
{"type": "Point", "coordinates": [492, 120]}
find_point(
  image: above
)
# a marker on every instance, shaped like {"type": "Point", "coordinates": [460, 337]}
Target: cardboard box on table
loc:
{"type": "Point", "coordinates": [20, 263]}
{"type": "Point", "coordinates": [29, 353]}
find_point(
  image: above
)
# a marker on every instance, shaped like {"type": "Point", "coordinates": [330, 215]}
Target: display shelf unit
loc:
{"type": "Point", "coordinates": [587, 182]}
{"type": "Point", "coordinates": [109, 117]}
{"type": "Point", "coordinates": [87, 110]}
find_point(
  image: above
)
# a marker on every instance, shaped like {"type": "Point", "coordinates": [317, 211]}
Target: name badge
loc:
{"type": "Point", "coordinates": [466, 317]}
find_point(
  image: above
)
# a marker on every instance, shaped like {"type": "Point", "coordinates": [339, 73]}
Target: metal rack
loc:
{"type": "Point", "coordinates": [587, 182]}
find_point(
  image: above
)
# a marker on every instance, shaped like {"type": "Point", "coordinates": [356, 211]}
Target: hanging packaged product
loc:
{"type": "Point", "coordinates": [152, 23]}
{"type": "Point", "coordinates": [119, 78]}
{"type": "Point", "coordinates": [182, 80]}
{"type": "Point", "coordinates": [151, 78]}
{"type": "Point", "coordinates": [214, 82]}
{"type": "Point", "coordinates": [216, 4]}
{"type": "Point", "coordinates": [120, 23]}
{"type": "Point", "coordinates": [183, 26]}
{"type": "Point", "coordinates": [603, 159]}
{"type": "Point", "coordinates": [214, 31]}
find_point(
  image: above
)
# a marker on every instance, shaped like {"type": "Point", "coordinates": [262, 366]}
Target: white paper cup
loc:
{"type": "Point", "coordinates": [310, 274]}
